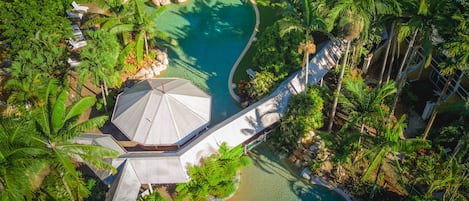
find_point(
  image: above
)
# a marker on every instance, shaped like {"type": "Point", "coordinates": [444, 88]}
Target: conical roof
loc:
{"type": "Point", "coordinates": [163, 111]}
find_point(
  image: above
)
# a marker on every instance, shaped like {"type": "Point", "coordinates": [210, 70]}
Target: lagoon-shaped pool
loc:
{"type": "Point", "coordinates": [211, 35]}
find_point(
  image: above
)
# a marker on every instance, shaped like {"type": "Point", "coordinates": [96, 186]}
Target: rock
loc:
{"type": "Point", "coordinates": [165, 2]}
{"type": "Point", "coordinates": [306, 173]}
{"type": "Point", "coordinates": [165, 61]}
{"type": "Point", "coordinates": [181, 1]}
{"type": "Point", "coordinates": [298, 163]}
{"type": "Point", "coordinates": [313, 147]}
{"type": "Point", "coordinates": [141, 73]}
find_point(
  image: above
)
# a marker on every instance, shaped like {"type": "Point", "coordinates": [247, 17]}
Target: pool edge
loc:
{"type": "Point", "coordinates": [246, 48]}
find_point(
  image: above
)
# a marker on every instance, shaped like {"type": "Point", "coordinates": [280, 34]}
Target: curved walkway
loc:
{"type": "Point", "coordinates": [136, 168]}
{"type": "Point", "coordinates": [241, 56]}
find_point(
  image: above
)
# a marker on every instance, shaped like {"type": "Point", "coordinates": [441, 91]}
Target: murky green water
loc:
{"type": "Point", "coordinates": [272, 178]}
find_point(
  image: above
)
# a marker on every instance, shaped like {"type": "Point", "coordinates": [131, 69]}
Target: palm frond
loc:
{"type": "Point", "coordinates": [80, 107]}
{"type": "Point", "coordinates": [58, 112]}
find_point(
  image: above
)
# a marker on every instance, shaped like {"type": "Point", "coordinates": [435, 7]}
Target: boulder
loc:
{"type": "Point", "coordinates": [165, 2]}
{"type": "Point", "coordinates": [306, 173]}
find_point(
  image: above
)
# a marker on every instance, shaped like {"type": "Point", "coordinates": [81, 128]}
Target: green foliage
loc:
{"type": "Point", "coordinates": [99, 59]}
{"type": "Point", "coordinates": [365, 105]}
{"type": "Point", "coordinates": [215, 176]}
{"type": "Point", "coordinates": [155, 196]}
{"type": "Point", "coordinates": [278, 54]}
{"type": "Point", "coordinates": [304, 114]}
{"type": "Point", "coordinates": [20, 160]}
{"type": "Point", "coordinates": [21, 21]}
{"type": "Point", "coordinates": [57, 125]}
{"type": "Point", "coordinates": [261, 85]}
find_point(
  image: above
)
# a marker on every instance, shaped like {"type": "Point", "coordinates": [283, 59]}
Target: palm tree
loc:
{"type": "Point", "coordinates": [144, 24]}
{"type": "Point", "coordinates": [385, 148]}
{"type": "Point", "coordinates": [365, 104]}
{"type": "Point", "coordinates": [339, 86]}
{"type": "Point", "coordinates": [307, 19]}
{"type": "Point", "coordinates": [99, 61]}
{"type": "Point", "coordinates": [22, 165]}
{"type": "Point", "coordinates": [457, 49]}
{"type": "Point", "coordinates": [57, 125]}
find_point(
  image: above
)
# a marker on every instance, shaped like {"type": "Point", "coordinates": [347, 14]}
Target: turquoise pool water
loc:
{"type": "Point", "coordinates": [211, 35]}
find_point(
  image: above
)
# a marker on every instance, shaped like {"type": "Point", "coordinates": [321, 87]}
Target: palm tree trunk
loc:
{"type": "Point", "coordinates": [437, 105]}
{"type": "Point", "coordinates": [339, 86]}
{"type": "Point", "coordinates": [402, 80]}
{"type": "Point", "coordinates": [383, 68]}
{"type": "Point", "coordinates": [306, 74]}
{"type": "Point", "coordinates": [411, 45]}
{"type": "Point", "coordinates": [104, 96]}
{"type": "Point", "coordinates": [146, 42]}
{"type": "Point", "coordinates": [391, 63]}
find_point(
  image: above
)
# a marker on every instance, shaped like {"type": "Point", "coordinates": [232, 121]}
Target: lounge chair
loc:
{"type": "Point", "coordinates": [73, 63]}
{"type": "Point", "coordinates": [77, 7]}
{"type": "Point", "coordinates": [76, 45]}
{"type": "Point", "coordinates": [73, 15]}
{"type": "Point", "coordinates": [251, 73]}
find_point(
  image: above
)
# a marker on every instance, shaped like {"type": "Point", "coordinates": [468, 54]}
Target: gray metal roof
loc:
{"type": "Point", "coordinates": [162, 111]}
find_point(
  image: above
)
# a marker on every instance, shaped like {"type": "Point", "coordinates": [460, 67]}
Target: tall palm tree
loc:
{"type": "Point", "coordinates": [457, 49]}
{"type": "Point", "coordinates": [307, 19]}
{"type": "Point", "coordinates": [144, 25]}
{"type": "Point", "coordinates": [57, 125]}
{"type": "Point", "coordinates": [423, 19]}
{"type": "Point", "coordinates": [337, 91]}
{"type": "Point", "coordinates": [99, 61]}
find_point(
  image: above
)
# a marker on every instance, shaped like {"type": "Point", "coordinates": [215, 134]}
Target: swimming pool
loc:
{"type": "Point", "coordinates": [211, 35]}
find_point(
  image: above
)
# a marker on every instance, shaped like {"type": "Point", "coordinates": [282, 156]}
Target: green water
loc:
{"type": "Point", "coordinates": [272, 178]}
{"type": "Point", "coordinates": [211, 35]}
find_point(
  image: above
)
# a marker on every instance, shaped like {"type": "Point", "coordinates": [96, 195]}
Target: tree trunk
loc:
{"type": "Point", "coordinates": [391, 63]}
{"type": "Point", "coordinates": [388, 47]}
{"type": "Point", "coordinates": [104, 97]}
{"type": "Point", "coordinates": [411, 45]}
{"type": "Point", "coordinates": [402, 80]}
{"type": "Point", "coordinates": [306, 74]}
{"type": "Point", "coordinates": [146, 42]}
{"type": "Point", "coordinates": [339, 86]}
{"type": "Point", "coordinates": [437, 105]}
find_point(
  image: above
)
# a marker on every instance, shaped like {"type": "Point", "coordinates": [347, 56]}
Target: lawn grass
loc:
{"type": "Point", "coordinates": [269, 13]}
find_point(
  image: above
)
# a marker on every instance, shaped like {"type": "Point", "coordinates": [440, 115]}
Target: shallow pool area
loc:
{"type": "Point", "coordinates": [272, 178]}
{"type": "Point", "coordinates": [211, 34]}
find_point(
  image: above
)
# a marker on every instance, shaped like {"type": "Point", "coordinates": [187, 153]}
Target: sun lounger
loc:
{"type": "Point", "coordinates": [251, 73]}
{"type": "Point", "coordinates": [73, 63]}
{"type": "Point", "coordinates": [76, 45]}
{"type": "Point", "coordinates": [73, 15]}
{"type": "Point", "coordinates": [77, 7]}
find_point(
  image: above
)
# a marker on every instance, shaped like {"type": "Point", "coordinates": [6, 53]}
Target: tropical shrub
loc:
{"type": "Point", "coordinates": [215, 176]}
{"type": "Point", "coordinates": [304, 114]}
{"type": "Point", "coordinates": [261, 85]}
{"type": "Point", "coordinates": [278, 54]}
